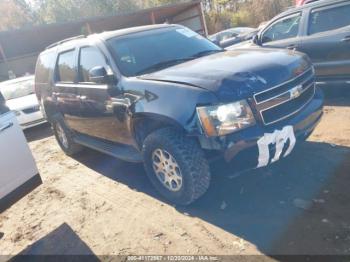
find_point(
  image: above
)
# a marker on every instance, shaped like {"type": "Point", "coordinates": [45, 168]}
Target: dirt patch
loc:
{"type": "Point", "coordinates": [105, 206]}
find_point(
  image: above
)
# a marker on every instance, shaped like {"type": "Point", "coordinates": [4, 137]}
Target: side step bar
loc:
{"type": "Point", "coordinates": [120, 151]}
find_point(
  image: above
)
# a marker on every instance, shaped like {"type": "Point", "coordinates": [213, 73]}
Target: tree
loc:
{"type": "Point", "coordinates": [15, 14]}
{"type": "Point", "coordinates": [264, 10]}
{"type": "Point", "coordinates": [142, 4]}
{"type": "Point", "coordinates": [220, 14]}
{"type": "Point", "coordinates": [51, 11]}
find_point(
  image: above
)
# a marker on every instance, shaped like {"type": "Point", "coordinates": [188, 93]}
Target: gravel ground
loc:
{"type": "Point", "coordinates": [94, 204]}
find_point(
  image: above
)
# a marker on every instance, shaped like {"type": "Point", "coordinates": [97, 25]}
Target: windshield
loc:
{"type": "Point", "coordinates": [153, 50]}
{"type": "Point", "coordinates": [17, 89]}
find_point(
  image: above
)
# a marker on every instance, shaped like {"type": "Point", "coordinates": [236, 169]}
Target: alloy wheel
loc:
{"type": "Point", "coordinates": [61, 135]}
{"type": "Point", "coordinates": [167, 170]}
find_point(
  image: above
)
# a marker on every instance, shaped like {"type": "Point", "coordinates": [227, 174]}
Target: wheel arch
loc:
{"type": "Point", "coordinates": [50, 109]}
{"type": "Point", "coordinates": [144, 124]}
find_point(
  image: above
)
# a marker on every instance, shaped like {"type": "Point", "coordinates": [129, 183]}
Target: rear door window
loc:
{"type": "Point", "coordinates": [285, 28]}
{"type": "Point", "coordinates": [66, 68]}
{"type": "Point", "coordinates": [329, 19]}
{"type": "Point", "coordinates": [90, 57]}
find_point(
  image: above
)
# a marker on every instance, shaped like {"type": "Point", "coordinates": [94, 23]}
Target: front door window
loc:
{"type": "Point", "coordinates": [285, 28]}
{"type": "Point", "coordinates": [90, 57]}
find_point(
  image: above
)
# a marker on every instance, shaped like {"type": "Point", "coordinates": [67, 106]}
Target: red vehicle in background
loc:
{"type": "Point", "coordinates": [303, 2]}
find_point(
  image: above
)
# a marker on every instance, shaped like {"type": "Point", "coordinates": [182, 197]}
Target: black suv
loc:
{"type": "Point", "coordinates": [168, 97]}
{"type": "Point", "coordinates": [321, 30]}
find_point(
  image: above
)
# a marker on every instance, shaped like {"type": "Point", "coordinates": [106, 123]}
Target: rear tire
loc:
{"type": "Point", "coordinates": [176, 166]}
{"type": "Point", "coordinates": [64, 138]}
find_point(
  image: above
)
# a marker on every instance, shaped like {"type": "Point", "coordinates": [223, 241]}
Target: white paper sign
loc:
{"type": "Point", "coordinates": [279, 138]}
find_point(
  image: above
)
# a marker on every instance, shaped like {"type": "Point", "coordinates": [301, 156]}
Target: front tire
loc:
{"type": "Point", "coordinates": [64, 138]}
{"type": "Point", "coordinates": [176, 166]}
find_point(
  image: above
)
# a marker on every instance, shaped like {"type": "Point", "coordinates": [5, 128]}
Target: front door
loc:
{"type": "Point", "coordinates": [18, 172]}
{"type": "Point", "coordinates": [328, 41]}
{"type": "Point", "coordinates": [102, 115]}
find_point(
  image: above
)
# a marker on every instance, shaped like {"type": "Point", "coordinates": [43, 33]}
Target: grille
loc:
{"type": "Point", "coordinates": [285, 100]}
{"type": "Point", "coordinates": [33, 122]}
{"type": "Point", "coordinates": [31, 110]}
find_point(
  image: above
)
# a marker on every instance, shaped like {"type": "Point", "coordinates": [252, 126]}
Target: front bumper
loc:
{"type": "Point", "coordinates": [244, 144]}
{"type": "Point", "coordinates": [30, 120]}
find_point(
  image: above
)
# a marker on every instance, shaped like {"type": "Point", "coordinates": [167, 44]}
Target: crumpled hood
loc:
{"type": "Point", "coordinates": [238, 73]}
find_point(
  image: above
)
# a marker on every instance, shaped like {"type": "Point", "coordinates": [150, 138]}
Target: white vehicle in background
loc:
{"type": "Point", "coordinates": [18, 172]}
{"type": "Point", "coordinates": [20, 97]}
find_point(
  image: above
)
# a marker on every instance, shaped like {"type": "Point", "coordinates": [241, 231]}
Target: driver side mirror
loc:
{"type": "Point", "coordinates": [217, 42]}
{"type": "Point", "coordinates": [256, 40]}
{"type": "Point", "coordinates": [2, 99]}
{"type": "Point", "coordinates": [98, 75]}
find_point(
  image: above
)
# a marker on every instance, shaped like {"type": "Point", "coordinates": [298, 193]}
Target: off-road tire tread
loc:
{"type": "Point", "coordinates": [189, 156]}
{"type": "Point", "coordinates": [73, 147]}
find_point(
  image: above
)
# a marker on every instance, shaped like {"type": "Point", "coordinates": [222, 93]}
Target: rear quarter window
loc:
{"type": "Point", "coordinates": [44, 66]}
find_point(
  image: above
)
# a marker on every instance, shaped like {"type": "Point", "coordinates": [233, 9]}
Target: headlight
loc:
{"type": "Point", "coordinates": [225, 119]}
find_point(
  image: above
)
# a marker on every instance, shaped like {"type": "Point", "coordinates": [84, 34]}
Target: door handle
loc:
{"type": "Point", "coordinates": [83, 97]}
{"type": "Point", "coordinates": [7, 126]}
{"type": "Point", "coordinates": [346, 39]}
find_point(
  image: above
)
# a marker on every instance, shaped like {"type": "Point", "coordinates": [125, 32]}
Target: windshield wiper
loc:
{"type": "Point", "coordinates": [164, 64]}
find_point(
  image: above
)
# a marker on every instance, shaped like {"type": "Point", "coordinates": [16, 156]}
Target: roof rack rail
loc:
{"type": "Point", "coordinates": [65, 40]}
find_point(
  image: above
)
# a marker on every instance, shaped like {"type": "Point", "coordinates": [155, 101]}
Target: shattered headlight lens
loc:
{"type": "Point", "coordinates": [225, 119]}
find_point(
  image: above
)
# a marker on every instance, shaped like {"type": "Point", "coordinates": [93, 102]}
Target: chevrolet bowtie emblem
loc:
{"type": "Point", "coordinates": [296, 92]}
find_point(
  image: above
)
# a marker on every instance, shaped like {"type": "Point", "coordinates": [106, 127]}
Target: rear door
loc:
{"type": "Point", "coordinates": [327, 40]}
{"type": "Point", "coordinates": [64, 90]}
{"type": "Point", "coordinates": [18, 172]}
{"type": "Point", "coordinates": [283, 32]}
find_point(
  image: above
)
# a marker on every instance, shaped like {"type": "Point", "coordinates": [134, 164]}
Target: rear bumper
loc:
{"type": "Point", "coordinates": [245, 143]}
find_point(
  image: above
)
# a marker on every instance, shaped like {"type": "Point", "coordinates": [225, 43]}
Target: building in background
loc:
{"type": "Point", "coordinates": [19, 48]}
